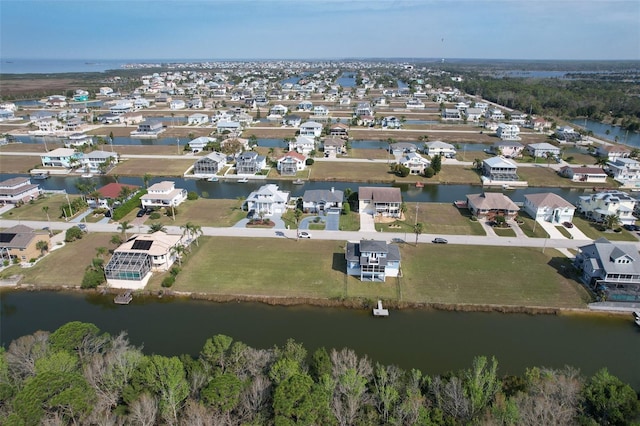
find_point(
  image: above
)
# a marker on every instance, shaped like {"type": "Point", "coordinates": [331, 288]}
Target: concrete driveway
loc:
{"type": "Point", "coordinates": [367, 223]}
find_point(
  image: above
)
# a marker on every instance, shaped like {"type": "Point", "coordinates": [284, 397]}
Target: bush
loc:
{"type": "Point", "coordinates": [309, 161]}
{"type": "Point", "coordinates": [429, 172]}
{"type": "Point", "coordinates": [175, 271]}
{"type": "Point", "coordinates": [72, 234]}
{"type": "Point", "coordinates": [92, 278]}
{"type": "Point", "coordinates": [5, 263]}
{"type": "Point", "coordinates": [192, 195]}
{"type": "Point", "coordinates": [127, 207]}
{"type": "Point", "coordinates": [154, 216]}
{"type": "Point", "coordinates": [168, 281]}
{"type": "Point", "coordinates": [346, 208]}
{"type": "Point", "coordinates": [32, 260]}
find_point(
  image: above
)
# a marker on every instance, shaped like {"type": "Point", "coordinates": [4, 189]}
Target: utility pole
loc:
{"type": "Point", "coordinates": [416, 213]}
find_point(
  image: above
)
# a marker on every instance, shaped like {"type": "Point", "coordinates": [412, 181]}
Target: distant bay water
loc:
{"type": "Point", "coordinates": [53, 66]}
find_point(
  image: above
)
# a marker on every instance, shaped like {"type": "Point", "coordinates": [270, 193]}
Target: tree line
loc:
{"type": "Point", "coordinates": [80, 375]}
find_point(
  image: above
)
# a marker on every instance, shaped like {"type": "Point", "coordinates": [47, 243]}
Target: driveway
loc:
{"type": "Point", "coordinates": [276, 218]}
{"type": "Point", "coordinates": [367, 223]}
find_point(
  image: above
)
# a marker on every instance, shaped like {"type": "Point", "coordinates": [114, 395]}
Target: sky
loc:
{"type": "Point", "coordinates": [320, 29]}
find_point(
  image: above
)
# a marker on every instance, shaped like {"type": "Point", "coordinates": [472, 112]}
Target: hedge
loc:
{"type": "Point", "coordinates": [124, 209]}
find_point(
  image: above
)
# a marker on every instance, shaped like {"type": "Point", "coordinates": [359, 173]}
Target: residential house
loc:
{"type": "Point", "coordinates": [414, 103]}
{"type": "Point", "coordinates": [177, 104]}
{"type": "Point", "coordinates": [98, 161]}
{"type": "Point", "coordinates": [380, 101]}
{"type": "Point", "coordinates": [549, 207]}
{"type": "Point", "coordinates": [291, 163]}
{"type": "Point", "coordinates": [400, 148]}
{"type": "Point", "coordinates": [518, 117]}
{"type": "Point", "coordinates": [439, 148]}
{"type": "Point", "coordinates": [6, 114]}
{"type": "Point", "coordinates": [133, 263]}
{"type": "Point", "coordinates": [19, 243]}
{"type": "Point", "coordinates": [106, 91]}
{"type": "Point", "coordinates": [344, 101]}
{"type": "Point", "coordinates": [372, 260]}
{"type": "Point", "coordinates": [567, 134]}
{"type": "Point", "coordinates": [320, 112]}
{"type": "Point", "coordinates": [612, 270]}
{"type": "Point", "coordinates": [279, 110]}
{"type": "Point", "coordinates": [363, 108]}
{"type": "Point", "coordinates": [599, 205]}
{"type": "Point", "coordinates": [415, 163]}
{"type": "Point", "coordinates": [333, 147]}
{"type": "Point", "coordinates": [584, 174]}
{"type": "Point", "coordinates": [73, 124]}
{"type": "Point", "coordinates": [292, 120]}
{"type": "Point", "coordinates": [543, 150]}
{"type": "Point", "coordinates": [451, 114]}
{"type": "Point", "coordinates": [132, 118]}
{"type": "Point", "coordinates": [163, 194]}
{"type": "Point", "coordinates": [488, 205]}
{"type": "Point", "coordinates": [36, 116]}
{"type": "Point", "coordinates": [322, 200]}
{"type": "Point", "coordinates": [613, 152]}
{"type": "Point", "coordinates": [539, 124]}
{"type": "Point", "coordinates": [18, 190]}
{"type": "Point", "coordinates": [305, 106]}
{"type": "Point", "coordinates": [140, 103]}
{"type": "Point", "coordinates": [303, 144]}
{"type": "Point", "coordinates": [110, 193]}
{"type": "Point", "coordinates": [340, 130]}
{"type": "Point", "coordinates": [383, 201]}
{"type": "Point", "coordinates": [197, 119]}
{"type": "Point", "coordinates": [240, 144]}
{"type": "Point", "coordinates": [199, 144]}
{"type": "Point", "coordinates": [61, 157]}
{"type": "Point", "coordinates": [267, 200]}
{"type": "Point", "coordinates": [494, 114]}
{"type": "Point", "coordinates": [228, 126]}
{"type": "Point", "coordinates": [57, 101]}
{"type": "Point", "coordinates": [48, 126]}
{"type": "Point", "coordinates": [391, 122]}
{"type": "Point", "coordinates": [195, 103]}
{"type": "Point", "coordinates": [499, 169]}
{"type": "Point", "coordinates": [625, 171]}
{"type": "Point", "coordinates": [311, 128]}
{"type": "Point", "coordinates": [210, 165]}
{"type": "Point", "coordinates": [508, 149]}
{"type": "Point", "coordinates": [474, 114]}
{"type": "Point", "coordinates": [508, 132]}
{"type": "Point", "coordinates": [149, 128]}
{"type": "Point", "coordinates": [250, 163]}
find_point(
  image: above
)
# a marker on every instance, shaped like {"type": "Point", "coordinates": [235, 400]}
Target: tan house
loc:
{"type": "Point", "coordinates": [19, 242]}
{"type": "Point", "coordinates": [491, 204]}
{"type": "Point", "coordinates": [376, 200]}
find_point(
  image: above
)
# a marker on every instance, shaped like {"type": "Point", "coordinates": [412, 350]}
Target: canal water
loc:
{"type": "Point", "coordinates": [433, 341]}
{"type": "Point", "coordinates": [610, 133]}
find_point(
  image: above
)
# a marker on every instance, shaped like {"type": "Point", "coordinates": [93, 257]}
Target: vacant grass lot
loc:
{"type": "Point", "coordinates": [437, 218]}
{"type": "Point", "coordinates": [19, 163]}
{"type": "Point", "coordinates": [315, 269]}
{"type": "Point", "coordinates": [456, 175]}
{"type": "Point", "coordinates": [547, 177]}
{"type": "Point", "coordinates": [377, 172]}
{"type": "Point", "coordinates": [203, 212]}
{"type": "Point", "coordinates": [33, 210]}
{"type": "Point", "coordinates": [154, 167]}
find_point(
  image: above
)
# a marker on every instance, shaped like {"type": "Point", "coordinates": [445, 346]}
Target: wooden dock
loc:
{"type": "Point", "coordinates": [379, 311]}
{"type": "Point", "coordinates": [123, 298]}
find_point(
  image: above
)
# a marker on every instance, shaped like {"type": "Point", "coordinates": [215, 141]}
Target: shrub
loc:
{"type": "Point", "coordinates": [127, 207]}
{"type": "Point", "coordinates": [309, 161]}
{"type": "Point", "coordinates": [32, 260]}
{"type": "Point", "coordinates": [154, 216]}
{"type": "Point", "coordinates": [346, 208]}
{"type": "Point", "coordinates": [92, 278]}
{"type": "Point", "coordinates": [72, 234]}
{"type": "Point", "coordinates": [192, 195]}
{"type": "Point", "coordinates": [429, 172]}
{"type": "Point", "coordinates": [175, 271]}
{"type": "Point", "coordinates": [5, 263]}
{"type": "Point", "coordinates": [168, 281]}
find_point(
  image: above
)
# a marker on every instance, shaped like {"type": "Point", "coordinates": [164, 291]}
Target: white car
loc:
{"type": "Point", "coordinates": [304, 234]}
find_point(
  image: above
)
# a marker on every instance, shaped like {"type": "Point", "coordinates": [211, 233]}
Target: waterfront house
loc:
{"type": "Point", "coordinates": [311, 128]}
{"type": "Point", "coordinates": [133, 263]}
{"type": "Point", "coordinates": [415, 163]}
{"type": "Point", "coordinates": [599, 205]}
{"type": "Point", "coordinates": [509, 149]}
{"type": "Point", "coordinates": [98, 161]}
{"type": "Point", "coordinates": [250, 163]}
{"type": "Point", "coordinates": [148, 128]}
{"type": "Point", "coordinates": [110, 194]}
{"type": "Point", "coordinates": [414, 103]}
{"type": "Point", "coordinates": [240, 145]}
{"type": "Point", "coordinates": [500, 169]}
{"type": "Point", "coordinates": [391, 122]}
{"type": "Point", "coordinates": [626, 171]}
{"type": "Point", "coordinates": [539, 124]}
{"type": "Point", "coordinates": [132, 118]}
{"type": "Point", "coordinates": [121, 108]}
{"type": "Point", "coordinates": [488, 205]}
{"type": "Point", "coordinates": [518, 117]}
{"type": "Point", "coordinates": [224, 126]}
{"type": "Point", "coordinates": [611, 270]}
{"type": "Point", "coordinates": [439, 148]}
{"type": "Point", "coordinates": [292, 120]}
{"type": "Point", "coordinates": [303, 144]}
{"type": "Point", "coordinates": [543, 149]}
{"type": "Point", "coordinates": [322, 200]}
{"type": "Point", "coordinates": [61, 157]}
{"type": "Point", "coordinates": [549, 207]}
{"type": "Point", "coordinates": [48, 126]}
{"type": "Point", "coordinates": [451, 114]}
{"type": "Point", "coordinates": [140, 103]}
{"type": "Point", "coordinates": [508, 132]}
{"type": "Point", "coordinates": [198, 144]}
{"type": "Point", "coordinates": [267, 200]}
{"type": "Point", "coordinates": [400, 148]}
{"type": "Point", "coordinates": [334, 146]}
{"type": "Point", "coordinates": [372, 260]}
{"type": "Point", "coordinates": [340, 130]}
{"type": "Point", "coordinates": [291, 163]}
{"type": "Point", "coordinates": [474, 114]}
{"type": "Point", "coordinates": [6, 114]}
{"type": "Point", "coordinates": [18, 190]}
{"type": "Point", "coordinates": [613, 152]}
{"type": "Point", "coordinates": [177, 104]}
{"type": "Point", "coordinates": [320, 112]}
{"type": "Point", "coordinates": [363, 109]}
{"type": "Point", "coordinates": [567, 134]}
{"type": "Point", "coordinates": [305, 106]}
{"type": "Point", "coordinates": [20, 243]}
{"type": "Point", "coordinates": [383, 201]}
{"type": "Point", "coordinates": [584, 174]}
{"type": "Point", "coordinates": [163, 194]}
{"type": "Point", "coordinates": [210, 165]}
{"type": "Point", "coordinates": [279, 110]}
{"type": "Point", "coordinates": [197, 119]}
{"type": "Point", "coordinates": [494, 114]}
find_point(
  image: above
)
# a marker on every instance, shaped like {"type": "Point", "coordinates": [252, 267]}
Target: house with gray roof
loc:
{"type": "Point", "coordinates": [380, 200]}
{"type": "Point", "coordinates": [372, 260]}
{"type": "Point", "coordinates": [491, 204]}
{"type": "Point", "coordinates": [542, 149]}
{"type": "Point", "coordinates": [439, 148]}
{"type": "Point", "coordinates": [19, 242]}
{"type": "Point", "coordinates": [612, 270]}
{"type": "Point", "coordinates": [499, 169]}
{"type": "Point", "coordinates": [321, 200]}
{"type": "Point", "coordinates": [98, 161]}
{"type": "Point", "coordinates": [267, 200]}
{"type": "Point", "coordinates": [209, 165]}
{"type": "Point", "coordinates": [18, 190]}
{"type": "Point", "coordinates": [250, 163]}
{"type": "Point", "coordinates": [549, 207]}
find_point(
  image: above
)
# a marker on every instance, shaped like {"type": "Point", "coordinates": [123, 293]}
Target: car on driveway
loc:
{"type": "Point", "coordinates": [140, 213]}
{"type": "Point", "coordinates": [439, 241]}
{"type": "Point", "coordinates": [82, 227]}
{"type": "Point", "coordinates": [567, 224]}
{"type": "Point", "coordinates": [631, 227]}
{"type": "Point", "coordinates": [304, 234]}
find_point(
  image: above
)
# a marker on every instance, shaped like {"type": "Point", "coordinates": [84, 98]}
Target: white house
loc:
{"type": "Point", "coordinates": [613, 152]}
{"type": "Point", "coordinates": [291, 163]}
{"type": "Point", "coordinates": [18, 189]}
{"type": "Point", "coordinates": [451, 114]}
{"type": "Point", "coordinates": [415, 163]}
{"type": "Point", "coordinates": [320, 111]}
{"type": "Point", "coordinates": [508, 132]}
{"type": "Point", "coordinates": [549, 207]}
{"type": "Point", "coordinates": [303, 144]}
{"type": "Point", "coordinates": [198, 144]}
{"type": "Point", "coordinates": [584, 174]}
{"type": "Point", "coordinates": [177, 104]}
{"type": "Point", "coordinates": [98, 161]}
{"type": "Point", "coordinates": [163, 194]}
{"type": "Point", "coordinates": [391, 122]}
{"type": "Point", "coordinates": [494, 114]}
{"type": "Point", "coordinates": [414, 103]}
{"type": "Point", "coordinates": [613, 202]}
{"type": "Point", "coordinates": [626, 171]}
{"type": "Point", "coordinates": [474, 114]}
{"type": "Point", "coordinates": [311, 128]}
{"type": "Point", "coordinates": [542, 149]}
{"type": "Point", "coordinates": [439, 148]}
{"type": "Point", "coordinates": [509, 149]}
{"type": "Point", "coordinates": [267, 200]}
{"type": "Point", "coordinates": [197, 119]}
{"type": "Point", "coordinates": [228, 126]}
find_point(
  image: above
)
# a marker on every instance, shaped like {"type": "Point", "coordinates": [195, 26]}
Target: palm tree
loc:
{"type": "Point", "coordinates": [101, 251]}
{"type": "Point", "coordinates": [156, 226]}
{"type": "Point", "coordinates": [124, 226]}
{"type": "Point", "coordinates": [146, 178]}
{"type": "Point", "coordinates": [602, 161]}
{"type": "Point", "coordinates": [548, 156]}
{"type": "Point", "coordinates": [477, 164]}
{"type": "Point", "coordinates": [45, 209]}
{"type": "Point", "coordinates": [116, 240]}
{"type": "Point", "coordinates": [178, 250]}
{"type": "Point", "coordinates": [43, 246]}
{"type": "Point", "coordinates": [611, 221]}
{"type": "Point", "coordinates": [417, 229]}
{"type": "Point", "coordinates": [95, 195]}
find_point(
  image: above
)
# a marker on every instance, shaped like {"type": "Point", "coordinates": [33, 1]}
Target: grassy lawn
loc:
{"type": "Point", "coordinates": [33, 209]}
{"type": "Point", "coordinates": [456, 175]}
{"type": "Point", "coordinates": [66, 265]}
{"type": "Point", "coordinates": [329, 170]}
{"type": "Point", "coordinates": [19, 163]}
{"type": "Point", "coordinates": [442, 218]}
{"type": "Point", "coordinates": [350, 222]}
{"type": "Point", "coordinates": [592, 231]}
{"type": "Point", "coordinates": [504, 232]}
{"type": "Point", "coordinates": [544, 176]}
{"type": "Point", "coordinates": [153, 166]}
{"type": "Point", "coordinates": [563, 231]}
{"type": "Point", "coordinates": [203, 212]}
{"type": "Point", "coordinates": [377, 154]}
{"type": "Point", "coordinates": [530, 228]}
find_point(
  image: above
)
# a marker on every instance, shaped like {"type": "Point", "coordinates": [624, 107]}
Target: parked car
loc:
{"type": "Point", "coordinates": [140, 213]}
{"type": "Point", "coordinates": [304, 234]}
{"type": "Point", "coordinates": [567, 224]}
{"type": "Point", "coordinates": [439, 241]}
{"type": "Point", "coordinates": [630, 227]}
{"type": "Point", "coordinates": [82, 227]}
{"type": "Point", "coordinates": [251, 214]}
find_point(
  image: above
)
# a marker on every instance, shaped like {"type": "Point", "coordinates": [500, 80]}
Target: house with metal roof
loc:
{"type": "Point", "coordinates": [626, 171]}
{"type": "Point", "coordinates": [61, 157]}
{"type": "Point", "coordinates": [584, 174]}
{"type": "Point", "coordinates": [303, 144]}
{"type": "Point", "coordinates": [19, 243]}
{"type": "Point", "coordinates": [209, 165]}
{"type": "Point", "coordinates": [439, 148]}
{"type": "Point", "coordinates": [612, 270]}
{"type": "Point", "coordinates": [311, 128]}
{"type": "Point", "coordinates": [543, 149]}
{"type": "Point", "coordinates": [98, 161]}
{"type": "Point", "coordinates": [599, 205]}
{"type": "Point", "coordinates": [499, 169]}
{"type": "Point", "coordinates": [509, 149]}
{"type": "Point", "coordinates": [321, 200]}
{"type": "Point", "coordinates": [372, 260]}
{"type": "Point", "coordinates": [198, 144]}
{"type": "Point", "coordinates": [379, 200]}
{"type": "Point", "coordinates": [415, 163]}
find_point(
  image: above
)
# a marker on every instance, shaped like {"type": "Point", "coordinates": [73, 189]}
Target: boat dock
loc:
{"type": "Point", "coordinates": [379, 311]}
{"type": "Point", "coordinates": [123, 298]}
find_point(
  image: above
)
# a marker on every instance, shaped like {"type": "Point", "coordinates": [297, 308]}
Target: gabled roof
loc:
{"type": "Point", "coordinates": [548, 199]}
{"type": "Point", "coordinates": [380, 194]}
{"type": "Point", "coordinates": [293, 154]}
{"type": "Point", "coordinates": [605, 253]}
{"type": "Point", "coordinates": [112, 190]}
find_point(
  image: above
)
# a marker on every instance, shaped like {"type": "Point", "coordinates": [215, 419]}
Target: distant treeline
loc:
{"type": "Point", "coordinates": [79, 375]}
